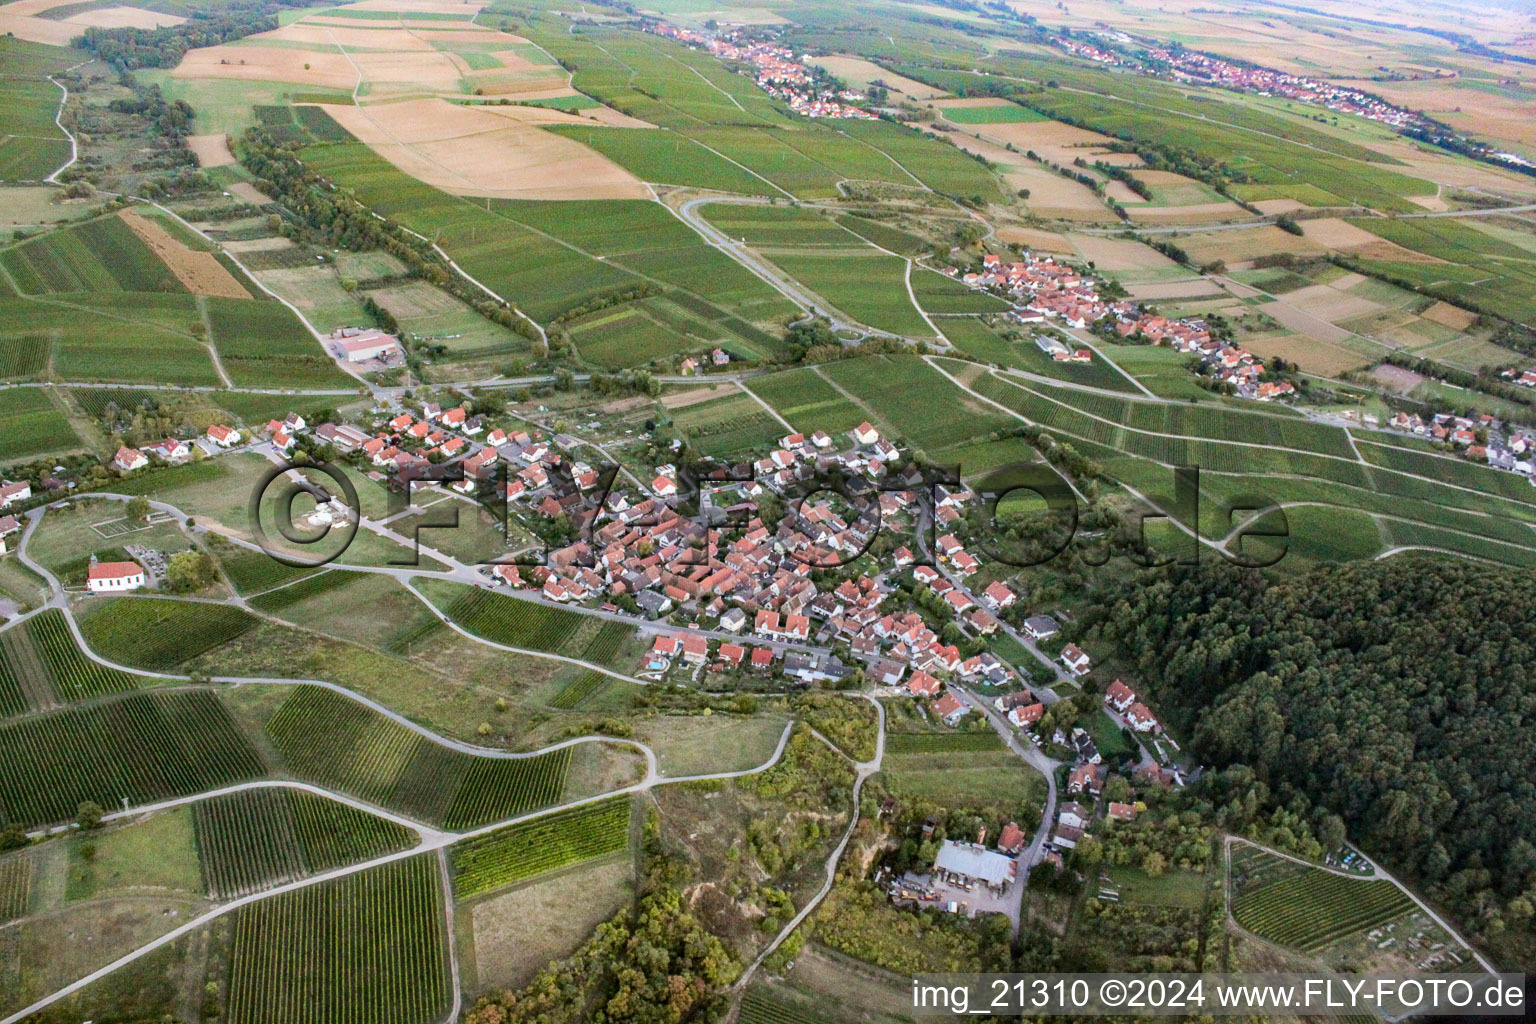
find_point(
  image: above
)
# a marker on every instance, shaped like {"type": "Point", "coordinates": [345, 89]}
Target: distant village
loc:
{"type": "Point", "coordinates": [1195, 68]}
{"type": "Point", "coordinates": [779, 71]}
{"type": "Point", "coordinates": [1044, 290]}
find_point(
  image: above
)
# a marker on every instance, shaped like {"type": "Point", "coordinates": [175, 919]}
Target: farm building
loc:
{"type": "Point", "coordinates": [360, 346]}
{"type": "Point", "coordinates": [972, 864]}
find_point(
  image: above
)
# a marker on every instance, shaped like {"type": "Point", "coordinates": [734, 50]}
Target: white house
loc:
{"type": "Point", "coordinates": [1076, 660]}
{"type": "Point", "coordinates": [130, 459]}
{"type": "Point", "coordinates": [18, 491]}
{"type": "Point", "coordinates": [223, 436]}
{"type": "Point", "coordinates": [112, 577]}
{"type": "Point", "coordinates": [864, 433]}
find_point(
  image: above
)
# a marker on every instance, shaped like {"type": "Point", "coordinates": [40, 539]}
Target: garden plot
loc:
{"type": "Point", "coordinates": [479, 151]}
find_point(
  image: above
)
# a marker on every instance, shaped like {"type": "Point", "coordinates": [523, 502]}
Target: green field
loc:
{"type": "Point", "coordinates": [102, 255]}
{"type": "Point", "coordinates": [723, 427]}
{"type": "Point", "coordinates": [262, 344]}
{"type": "Point", "coordinates": [258, 838]}
{"type": "Point", "coordinates": [1007, 113]}
{"type": "Point", "coordinates": [129, 337]}
{"type": "Point", "coordinates": [141, 747]}
{"type": "Point", "coordinates": [333, 741]}
{"type": "Point", "coordinates": [156, 634]}
{"type": "Point", "coordinates": [370, 948]}
{"type": "Point", "coordinates": [545, 256]}
{"type": "Point", "coordinates": [511, 854]}
{"type": "Point", "coordinates": [31, 425]}
{"type": "Point", "coordinates": [1481, 271]}
{"type": "Point", "coordinates": [885, 384]}
{"type": "Point", "coordinates": [866, 284]}
{"type": "Point", "coordinates": [33, 146]}
{"type": "Point", "coordinates": [808, 401]}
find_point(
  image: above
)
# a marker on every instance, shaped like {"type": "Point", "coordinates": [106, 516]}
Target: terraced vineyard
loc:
{"type": "Point", "coordinates": [521, 851]}
{"type": "Point", "coordinates": [156, 634]}
{"type": "Point", "coordinates": [258, 838]}
{"type": "Point", "coordinates": [331, 740]}
{"type": "Point", "coordinates": [578, 691]}
{"type": "Point", "coordinates": [1309, 908]}
{"type": "Point", "coordinates": [40, 664]}
{"type": "Point", "coordinates": [141, 748]}
{"type": "Point", "coordinates": [370, 948]}
{"type": "Point", "coordinates": [15, 886]}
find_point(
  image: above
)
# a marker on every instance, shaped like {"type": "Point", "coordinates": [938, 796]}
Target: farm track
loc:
{"type": "Point", "coordinates": [430, 839]}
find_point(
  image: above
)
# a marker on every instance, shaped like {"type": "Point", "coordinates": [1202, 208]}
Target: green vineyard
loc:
{"type": "Point", "coordinates": [578, 691]}
{"type": "Point", "coordinates": [139, 748]}
{"type": "Point", "coordinates": [516, 623]}
{"type": "Point", "coordinates": [333, 741]}
{"type": "Point", "coordinates": [259, 838]}
{"type": "Point", "coordinates": [1310, 908]}
{"type": "Point", "coordinates": [15, 886]}
{"type": "Point", "coordinates": [254, 571]}
{"type": "Point", "coordinates": [760, 1007]}
{"type": "Point", "coordinates": [370, 948]}
{"type": "Point", "coordinates": [520, 851]}
{"type": "Point", "coordinates": [41, 665]}
{"type": "Point", "coordinates": [155, 634]}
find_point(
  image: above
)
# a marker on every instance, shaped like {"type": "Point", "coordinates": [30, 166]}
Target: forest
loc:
{"type": "Point", "coordinates": [1396, 694]}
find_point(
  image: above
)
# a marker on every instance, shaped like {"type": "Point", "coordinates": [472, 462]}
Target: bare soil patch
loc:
{"type": "Point", "coordinates": [860, 73]}
{"type": "Point", "coordinates": [211, 150]}
{"type": "Point", "coordinates": [1199, 213]}
{"type": "Point", "coordinates": [1034, 238]}
{"type": "Point", "coordinates": [1274, 206]}
{"type": "Point", "coordinates": [269, 64]}
{"type": "Point", "coordinates": [485, 151]}
{"type": "Point", "coordinates": [1396, 378]}
{"type": "Point", "coordinates": [200, 272]}
{"type": "Point", "coordinates": [1119, 253]}
{"type": "Point", "coordinates": [1447, 315]}
{"type": "Point", "coordinates": [683, 399]}
{"type": "Point", "coordinates": [123, 17]}
{"type": "Point", "coordinates": [1195, 287]}
{"type": "Point", "coordinates": [250, 193]}
{"type": "Point", "coordinates": [1249, 244]}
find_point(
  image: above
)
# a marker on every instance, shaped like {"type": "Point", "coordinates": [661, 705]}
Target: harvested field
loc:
{"type": "Point", "coordinates": [1190, 288]}
{"type": "Point", "coordinates": [476, 151]}
{"type": "Point", "coordinates": [1333, 302]}
{"type": "Point", "coordinates": [1447, 315]}
{"type": "Point", "coordinates": [211, 150]}
{"type": "Point", "coordinates": [1347, 238]}
{"type": "Point", "coordinates": [1274, 206]}
{"type": "Point", "coordinates": [1113, 254]}
{"type": "Point", "coordinates": [1242, 246]}
{"type": "Point", "coordinates": [683, 399]}
{"type": "Point", "coordinates": [1310, 353]}
{"type": "Point", "coordinates": [269, 64]}
{"type": "Point", "coordinates": [1050, 195]}
{"type": "Point", "coordinates": [1303, 322]}
{"type": "Point", "coordinates": [274, 244]}
{"type": "Point", "coordinates": [972, 101]}
{"type": "Point", "coordinates": [1034, 238]}
{"type": "Point", "coordinates": [1199, 213]}
{"type": "Point", "coordinates": [123, 17]}
{"type": "Point", "coordinates": [1396, 378]}
{"type": "Point", "coordinates": [859, 73]}
{"type": "Point", "coordinates": [35, 30]}
{"type": "Point", "coordinates": [199, 272]}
